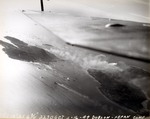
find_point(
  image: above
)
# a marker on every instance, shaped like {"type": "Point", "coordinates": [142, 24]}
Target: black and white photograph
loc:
{"type": "Point", "coordinates": [74, 59]}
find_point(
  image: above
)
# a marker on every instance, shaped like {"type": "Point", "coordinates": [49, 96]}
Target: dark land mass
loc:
{"type": "Point", "coordinates": [116, 88]}
{"type": "Point", "coordinates": [23, 51]}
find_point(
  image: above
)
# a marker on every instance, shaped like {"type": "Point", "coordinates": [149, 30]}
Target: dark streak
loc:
{"type": "Point", "coordinates": [116, 25]}
{"type": "Point", "coordinates": [22, 51]}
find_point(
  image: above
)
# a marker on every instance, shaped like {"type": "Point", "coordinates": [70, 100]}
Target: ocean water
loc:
{"type": "Point", "coordinates": [135, 10]}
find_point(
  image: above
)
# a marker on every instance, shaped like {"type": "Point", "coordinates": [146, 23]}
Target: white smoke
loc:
{"type": "Point", "coordinates": [87, 62]}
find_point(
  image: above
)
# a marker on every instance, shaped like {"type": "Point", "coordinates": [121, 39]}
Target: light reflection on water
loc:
{"type": "Point", "coordinates": [13, 80]}
{"type": "Point", "coordinates": [136, 10]}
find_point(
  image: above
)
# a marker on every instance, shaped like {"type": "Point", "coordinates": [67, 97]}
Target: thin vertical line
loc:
{"type": "Point", "coordinates": [42, 6]}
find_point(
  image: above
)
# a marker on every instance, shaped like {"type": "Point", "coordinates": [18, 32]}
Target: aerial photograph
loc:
{"type": "Point", "coordinates": [74, 59]}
